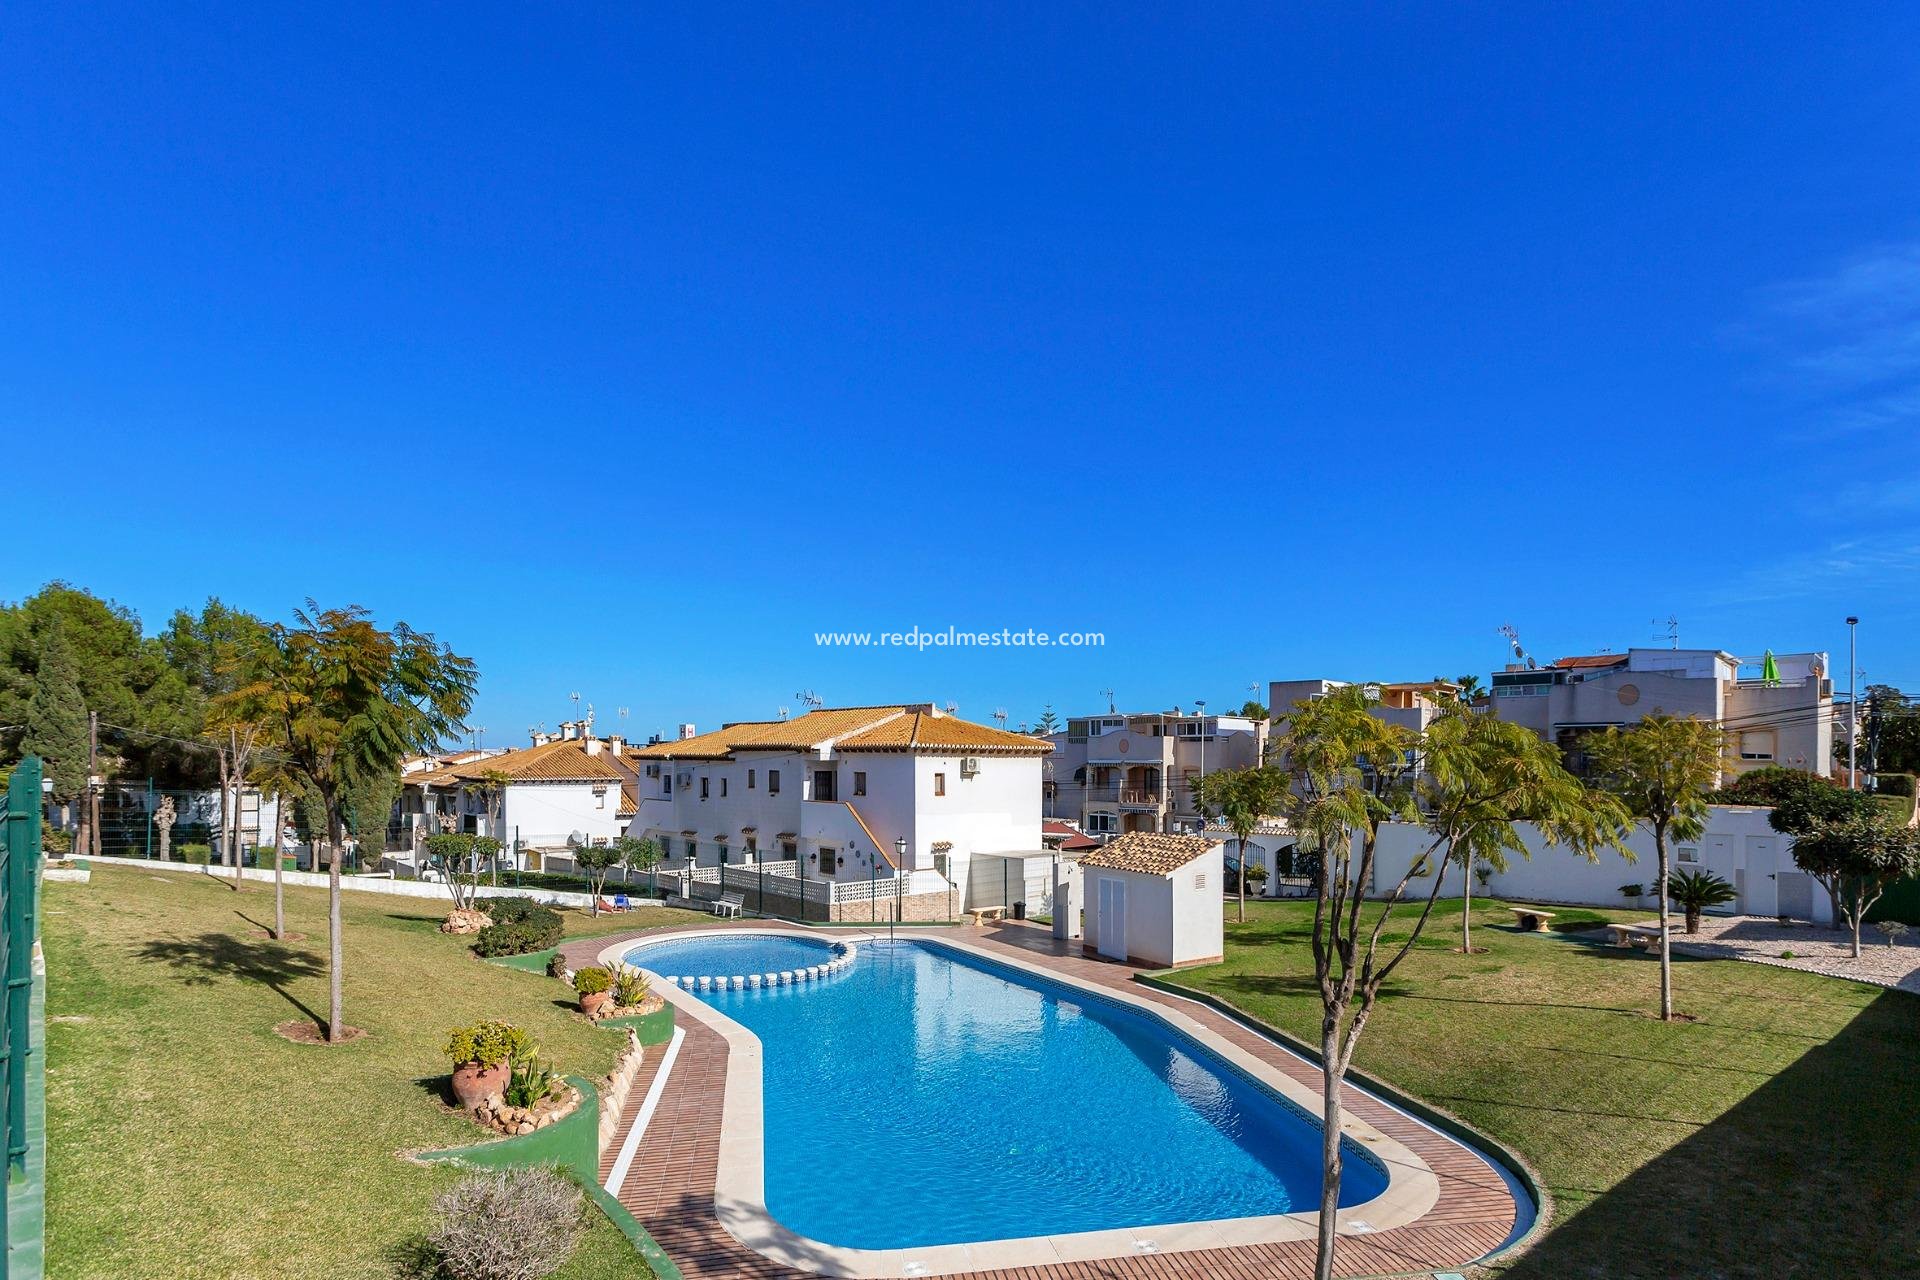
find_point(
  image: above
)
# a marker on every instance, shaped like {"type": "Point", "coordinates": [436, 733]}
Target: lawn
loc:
{"type": "Point", "coordinates": [186, 1139]}
{"type": "Point", "coordinates": [1775, 1136]}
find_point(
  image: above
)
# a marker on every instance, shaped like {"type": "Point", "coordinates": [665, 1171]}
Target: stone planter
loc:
{"type": "Point", "coordinates": [474, 1085]}
{"type": "Point", "coordinates": [596, 1003]}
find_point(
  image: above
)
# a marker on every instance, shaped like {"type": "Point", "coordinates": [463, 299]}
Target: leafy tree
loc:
{"type": "Point", "coordinates": [56, 719]}
{"type": "Point", "coordinates": [1479, 775]}
{"type": "Point", "coordinates": [1662, 769]}
{"type": "Point", "coordinates": [1047, 723]}
{"type": "Point", "coordinates": [1241, 798]}
{"type": "Point", "coordinates": [1891, 730]}
{"type": "Point", "coordinates": [1695, 891]}
{"type": "Point", "coordinates": [345, 701]}
{"type": "Point", "coordinates": [1253, 710]}
{"type": "Point", "coordinates": [596, 860]}
{"type": "Point", "coordinates": [1350, 771]}
{"type": "Point", "coordinates": [1856, 858]}
{"type": "Point", "coordinates": [1800, 808]}
{"type": "Point", "coordinates": [638, 854]}
{"type": "Point", "coordinates": [1772, 785]}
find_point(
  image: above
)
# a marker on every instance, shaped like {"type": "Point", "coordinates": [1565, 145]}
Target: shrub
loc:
{"type": "Point", "coordinates": [487, 1043]}
{"type": "Point", "coordinates": [1633, 890]}
{"type": "Point", "coordinates": [1893, 929]}
{"type": "Point", "coordinates": [517, 1224]}
{"type": "Point", "coordinates": [520, 925]}
{"type": "Point", "coordinates": [55, 840]}
{"type": "Point", "coordinates": [198, 854]}
{"type": "Point", "coordinates": [592, 980]}
{"type": "Point", "coordinates": [529, 1082]}
{"type": "Point", "coordinates": [629, 987]}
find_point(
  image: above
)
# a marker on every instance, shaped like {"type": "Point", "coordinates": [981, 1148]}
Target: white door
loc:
{"type": "Point", "coordinates": [1113, 918]}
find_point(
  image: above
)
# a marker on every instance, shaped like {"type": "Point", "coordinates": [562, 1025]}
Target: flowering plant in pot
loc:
{"type": "Point", "coordinates": [482, 1055]}
{"type": "Point", "coordinates": [595, 987]}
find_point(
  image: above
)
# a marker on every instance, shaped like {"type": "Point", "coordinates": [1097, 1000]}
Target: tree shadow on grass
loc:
{"type": "Point", "coordinates": [1811, 1175]}
{"type": "Point", "coordinates": [1229, 986]}
{"type": "Point", "coordinates": [213, 955]}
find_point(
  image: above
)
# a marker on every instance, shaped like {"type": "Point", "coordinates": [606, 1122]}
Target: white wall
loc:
{"type": "Point", "coordinates": [1739, 846]}
{"type": "Point", "coordinates": [547, 813]}
{"type": "Point", "coordinates": [1170, 920]}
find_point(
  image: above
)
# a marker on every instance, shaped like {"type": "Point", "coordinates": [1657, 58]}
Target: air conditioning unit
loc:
{"type": "Point", "coordinates": [969, 766]}
{"type": "Point", "coordinates": [653, 771]}
{"type": "Point", "coordinates": [685, 780]}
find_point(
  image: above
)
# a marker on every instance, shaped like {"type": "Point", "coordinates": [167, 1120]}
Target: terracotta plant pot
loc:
{"type": "Point", "coordinates": [593, 1004]}
{"type": "Point", "coordinates": [474, 1084]}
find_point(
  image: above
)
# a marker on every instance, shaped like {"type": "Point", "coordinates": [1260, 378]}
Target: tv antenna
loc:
{"type": "Point", "coordinates": [1108, 695]}
{"type": "Point", "coordinates": [575, 695]}
{"type": "Point", "coordinates": [1000, 716]}
{"type": "Point", "coordinates": [1513, 638]}
{"type": "Point", "coordinates": [1672, 633]}
{"type": "Point", "coordinates": [622, 713]}
{"type": "Point", "coordinates": [477, 732]}
{"type": "Point", "coordinates": [952, 707]}
{"type": "Point", "coordinates": [784, 713]}
{"type": "Point", "coordinates": [810, 699]}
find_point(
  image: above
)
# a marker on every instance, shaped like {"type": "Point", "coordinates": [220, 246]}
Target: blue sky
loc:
{"type": "Point", "coordinates": [624, 348]}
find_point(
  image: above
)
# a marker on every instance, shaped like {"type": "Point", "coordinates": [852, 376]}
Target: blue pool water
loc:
{"type": "Point", "coordinates": [924, 1097]}
{"type": "Point", "coordinates": [747, 953]}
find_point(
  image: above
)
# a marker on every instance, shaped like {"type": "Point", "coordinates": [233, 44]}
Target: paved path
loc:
{"type": "Point", "coordinates": [670, 1185]}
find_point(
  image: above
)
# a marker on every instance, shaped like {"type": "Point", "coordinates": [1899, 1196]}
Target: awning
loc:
{"type": "Point", "coordinates": [689, 833]}
{"type": "Point", "coordinates": [786, 835]}
{"type": "Point", "coordinates": [747, 831]}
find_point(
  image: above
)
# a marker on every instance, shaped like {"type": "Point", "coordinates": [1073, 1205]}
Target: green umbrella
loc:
{"type": "Point", "coordinates": [1769, 669]}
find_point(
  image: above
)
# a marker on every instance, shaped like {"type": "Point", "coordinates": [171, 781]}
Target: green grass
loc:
{"type": "Point", "coordinates": [186, 1139]}
{"type": "Point", "coordinates": [1774, 1136]}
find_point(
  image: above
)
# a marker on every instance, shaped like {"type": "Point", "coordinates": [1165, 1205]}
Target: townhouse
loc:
{"type": "Point", "coordinates": [1116, 773]}
{"type": "Point", "coordinates": [904, 794]}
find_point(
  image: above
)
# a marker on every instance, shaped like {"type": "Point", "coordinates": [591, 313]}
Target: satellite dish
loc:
{"type": "Point", "coordinates": [576, 839]}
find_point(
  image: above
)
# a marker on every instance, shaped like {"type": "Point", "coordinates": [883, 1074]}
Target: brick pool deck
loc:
{"type": "Point", "coordinates": [670, 1186]}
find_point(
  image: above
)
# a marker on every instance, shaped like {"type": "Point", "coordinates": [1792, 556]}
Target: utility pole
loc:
{"type": "Point", "coordinates": [93, 793]}
{"type": "Point", "coordinates": [1853, 703]}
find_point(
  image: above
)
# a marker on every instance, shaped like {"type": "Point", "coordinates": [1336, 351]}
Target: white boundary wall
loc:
{"type": "Point", "coordinates": [361, 884]}
{"type": "Point", "coordinates": [1739, 845]}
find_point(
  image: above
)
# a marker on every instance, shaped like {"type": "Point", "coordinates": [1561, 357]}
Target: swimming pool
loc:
{"type": "Point", "coordinates": [738, 955]}
{"type": "Point", "coordinates": [931, 1096]}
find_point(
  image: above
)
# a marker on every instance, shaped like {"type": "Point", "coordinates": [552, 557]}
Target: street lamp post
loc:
{"type": "Point", "coordinates": [1200, 705]}
{"type": "Point", "coordinates": [1853, 702]}
{"type": "Point", "coordinates": [899, 865]}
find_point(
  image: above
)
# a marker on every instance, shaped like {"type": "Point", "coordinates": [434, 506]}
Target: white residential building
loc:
{"type": "Point", "coordinates": [845, 794]}
{"type": "Point", "coordinates": [564, 789]}
{"type": "Point", "coordinates": [1785, 718]}
{"type": "Point", "coordinates": [1117, 773]}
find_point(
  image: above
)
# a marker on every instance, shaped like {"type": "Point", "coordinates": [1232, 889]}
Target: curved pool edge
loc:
{"type": "Point", "coordinates": [1413, 1189]}
{"type": "Point", "coordinates": [1504, 1160]}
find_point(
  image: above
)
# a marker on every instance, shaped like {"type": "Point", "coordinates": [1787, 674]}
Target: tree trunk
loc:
{"type": "Point", "coordinates": [1857, 917]}
{"type": "Point", "coordinates": [1243, 879]}
{"type": "Point", "coordinates": [1466, 915]}
{"type": "Point", "coordinates": [1666, 948]}
{"type": "Point", "coordinates": [1329, 1145]}
{"type": "Point", "coordinates": [336, 1026]}
{"type": "Point", "coordinates": [279, 894]}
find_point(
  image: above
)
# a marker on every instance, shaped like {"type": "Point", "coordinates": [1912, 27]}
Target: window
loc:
{"type": "Point", "coordinates": [723, 788]}
{"type": "Point", "coordinates": [750, 773]}
{"type": "Point", "coordinates": [939, 784]}
{"type": "Point", "coordinates": [859, 783]}
{"type": "Point", "coordinates": [1100, 822]}
{"type": "Point", "coordinates": [1200, 880]}
{"type": "Point", "coordinates": [703, 786]}
{"type": "Point", "coordinates": [773, 782]}
{"type": "Point", "coordinates": [722, 847]}
{"type": "Point", "coordinates": [753, 848]}
{"type": "Point", "coordinates": [825, 785]}
{"type": "Point", "coordinates": [1756, 745]}
{"type": "Point", "coordinates": [1688, 853]}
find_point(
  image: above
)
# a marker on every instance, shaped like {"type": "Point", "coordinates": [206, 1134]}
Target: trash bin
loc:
{"type": "Point", "coordinates": [1019, 911]}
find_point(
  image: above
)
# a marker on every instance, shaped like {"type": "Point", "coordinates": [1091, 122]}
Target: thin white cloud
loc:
{"type": "Point", "coordinates": [1848, 341]}
{"type": "Point", "coordinates": [1852, 565]}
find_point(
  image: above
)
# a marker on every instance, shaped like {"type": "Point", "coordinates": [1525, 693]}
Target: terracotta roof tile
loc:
{"type": "Point", "coordinates": [924, 731]}
{"type": "Point", "coordinates": [565, 760]}
{"type": "Point", "coordinates": [1148, 852]}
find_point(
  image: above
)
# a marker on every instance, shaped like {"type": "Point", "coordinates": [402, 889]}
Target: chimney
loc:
{"type": "Point", "coordinates": [616, 744]}
{"type": "Point", "coordinates": [569, 730]}
{"type": "Point", "coordinates": [592, 745]}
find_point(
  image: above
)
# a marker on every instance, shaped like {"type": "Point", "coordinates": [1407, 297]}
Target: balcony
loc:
{"type": "Point", "coordinates": [1140, 798]}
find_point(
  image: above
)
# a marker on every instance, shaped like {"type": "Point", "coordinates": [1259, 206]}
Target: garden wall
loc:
{"type": "Point", "coordinates": [360, 884]}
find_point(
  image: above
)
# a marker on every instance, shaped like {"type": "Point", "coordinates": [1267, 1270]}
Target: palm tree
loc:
{"type": "Point", "coordinates": [1695, 891]}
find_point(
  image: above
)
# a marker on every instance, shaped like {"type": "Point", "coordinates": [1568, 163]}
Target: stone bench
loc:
{"type": "Point", "coordinates": [1531, 919]}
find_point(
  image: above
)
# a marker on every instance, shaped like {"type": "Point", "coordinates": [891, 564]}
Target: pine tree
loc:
{"type": "Point", "coordinates": [56, 729]}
